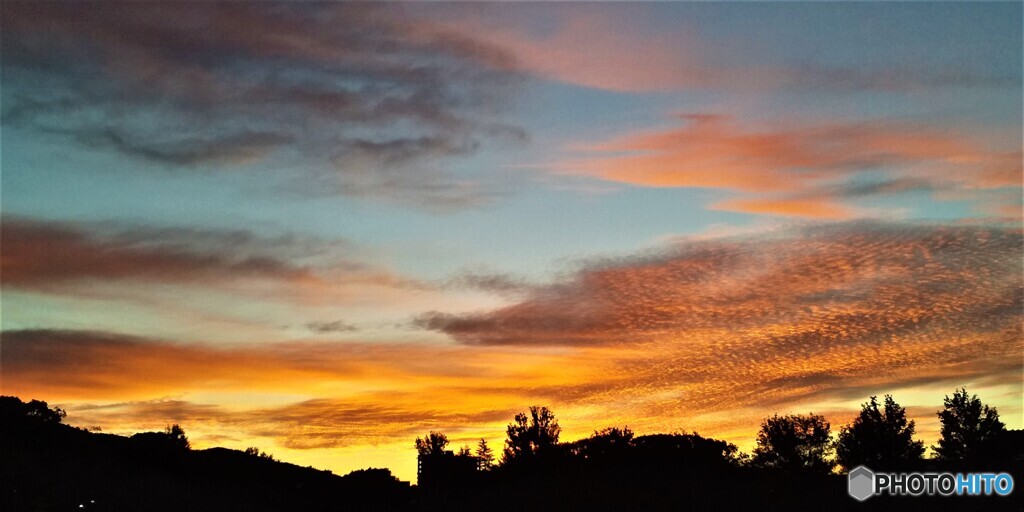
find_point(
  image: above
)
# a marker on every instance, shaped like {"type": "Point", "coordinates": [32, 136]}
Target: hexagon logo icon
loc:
{"type": "Point", "coordinates": [861, 483]}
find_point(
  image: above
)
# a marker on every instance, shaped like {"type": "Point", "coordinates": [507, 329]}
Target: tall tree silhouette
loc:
{"type": "Point", "coordinates": [879, 438]}
{"type": "Point", "coordinates": [795, 443]}
{"type": "Point", "coordinates": [967, 426]}
{"type": "Point", "coordinates": [484, 455]}
{"type": "Point", "coordinates": [433, 443]}
{"type": "Point", "coordinates": [177, 436]}
{"type": "Point", "coordinates": [531, 434]}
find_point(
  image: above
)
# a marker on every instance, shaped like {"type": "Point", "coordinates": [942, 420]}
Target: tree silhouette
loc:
{"type": "Point", "coordinates": [171, 440]}
{"type": "Point", "coordinates": [531, 435]}
{"type": "Point", "coordinates": [484, 455]}
{"type": "Point", "coordinates": [613, 436]}
{"type": "Point", "coordinates": [608, 442]}
{"type": "Point", "coordinates": [177, 437]}
{"type": "Point", "coordinates": [256, 452]}
{"type": "Point", "coordinates": [967, 427]}
{"type": "Point", "coordinates": [879, 438]}
{"type": "Point", "coordinates": [795, 443]}
{"type": "Point", "coordinates": [433, 443]}
{"type": "Point", "coordinates": [12, 408]}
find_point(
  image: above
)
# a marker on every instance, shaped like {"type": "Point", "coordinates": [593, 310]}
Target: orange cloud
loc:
{"type": "Point", "coordinates": [107, 365]}
{"type": "Point", "coordinates": [714, 152]}
{"type": "Point", "coordinates": [809, 208]}
{"type": "Point", "coordinates": [740, 322]}
{"type": "Point", "coordinates": [361, 402]}
{"type": "Point", "coordinates": [808, 170]}
{"type": "Point", "coordinates": [102, 365]}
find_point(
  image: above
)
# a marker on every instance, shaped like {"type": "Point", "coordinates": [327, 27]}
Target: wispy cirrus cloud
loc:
{"type": "Point", "coordinates": [803, 170]}
{"type": "Point", "coordinates": [358, 99]}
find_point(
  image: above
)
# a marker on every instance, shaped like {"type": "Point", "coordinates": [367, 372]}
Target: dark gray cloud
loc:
{"type": "Point", "coordinates": [329, 327]}
{"type": "Point", "coordinates": [46, 255]}
{"type": "Point", "coordinates": [233, 149]}
{"type": "Point", "coordinates": [491, 282]}
{"type": "Point", "coordinates": [883, 187]}
{"type": "Point", "coordinates": [359, 98]}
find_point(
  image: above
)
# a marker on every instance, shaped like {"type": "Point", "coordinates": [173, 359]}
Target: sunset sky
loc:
{"type": "Point", "coordinates": [326, 229]}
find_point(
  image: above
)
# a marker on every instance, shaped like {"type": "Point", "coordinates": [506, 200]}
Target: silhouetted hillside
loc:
{"type": "Point", "coordinates": [50, 466]}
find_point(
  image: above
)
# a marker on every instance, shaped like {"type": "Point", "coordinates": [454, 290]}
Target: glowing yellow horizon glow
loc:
{"type": "Point", "coordinates": [738, 427]}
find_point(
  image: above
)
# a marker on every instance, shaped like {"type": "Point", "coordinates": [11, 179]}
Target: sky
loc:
{"type": "Point", "coordinates": [325, 229]}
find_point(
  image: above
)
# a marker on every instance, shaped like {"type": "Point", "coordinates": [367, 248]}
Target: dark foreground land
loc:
{"type": "Point", "coordinates": [51, 466]}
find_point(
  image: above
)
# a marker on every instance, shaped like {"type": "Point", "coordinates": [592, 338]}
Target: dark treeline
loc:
{"type": "Point", "coordinates": [798, 461]}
